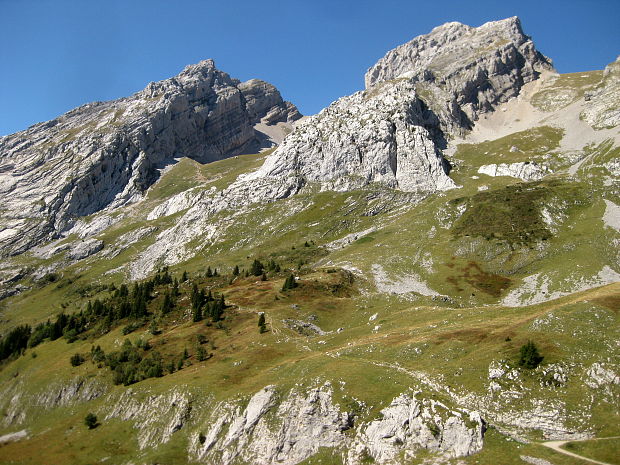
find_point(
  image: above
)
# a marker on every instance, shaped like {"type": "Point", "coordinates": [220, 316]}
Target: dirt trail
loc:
{"type": "Point", "coordinates": [557, 446]}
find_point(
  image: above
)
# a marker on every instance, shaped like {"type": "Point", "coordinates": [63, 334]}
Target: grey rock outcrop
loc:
{"type": "Point", "coordinates": [288, 430]}
{"type": "Point", "coordinates": [382, 135]}
{"type": "Point", "coordinates": [75, 391]}
{"type": "Point", "coordinates": [527, 171]}
{"type": "Point", "coordinates": [105, 154]}
{"type": "Point", "coordinates": [270, 430]}
{"type": "Point", "coordinates": [83, 249]}
{"type": "Point", "coordinates": [603, 109]}
{"type": "Point", "coordinates": [464, 71]}
{"type": "Point", "coordinates": [157, 417]}
{"type": "Point", "coordinates": [408, 424]}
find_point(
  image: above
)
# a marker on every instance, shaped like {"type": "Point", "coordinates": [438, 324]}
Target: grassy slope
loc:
{"type": "Point", "coordinates": [438, 240]}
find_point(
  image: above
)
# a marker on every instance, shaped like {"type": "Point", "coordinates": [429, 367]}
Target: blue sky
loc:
{"type": "Point", "coordinates": [56, 55]}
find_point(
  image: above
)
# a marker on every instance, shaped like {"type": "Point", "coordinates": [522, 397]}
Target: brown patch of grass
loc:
{"type": "Point", "coordinates": [473, 274]}
{"type": "Point", "coordinates": [611, 302]}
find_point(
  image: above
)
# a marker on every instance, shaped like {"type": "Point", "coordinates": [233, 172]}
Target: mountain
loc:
{"type": "Point", "coordinates": [426, 271]}
{"type": "Point", "coordinates": [106, 154]}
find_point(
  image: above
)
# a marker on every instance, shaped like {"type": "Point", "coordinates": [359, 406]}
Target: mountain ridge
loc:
{"type": "Point", "coordinates": [397, 264]}
{"type": "Point", "coordinates": [109, 152]}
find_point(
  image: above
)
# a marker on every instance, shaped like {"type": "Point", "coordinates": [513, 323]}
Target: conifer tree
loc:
{"type": "Point", "coordinates": [257, 268]}
{"type": "Point", "coordinates": [209, 273]}
{"type": "Point", "coordinates": [197, 314]}
{"type": "Point", "coordinates": [289, 283]}
{"type": "Point", "coordinates": [529, 356]}
{"type": "Point", "coordinates": [236, 270]}
{"type": "Point", "coordinates": [167, 304]}
{"type": "Point", "coordinates": [262, 327]}
{"type": "Point", "coordinates": [184, 277]}
{"type": "Point", "coordinates": [91, 421]}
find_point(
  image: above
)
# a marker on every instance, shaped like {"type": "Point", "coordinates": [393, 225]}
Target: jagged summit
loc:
{"type": "Point", "coordinates": [105, 154]}
{"type": "Point", "coordinates": [449, 46]}
{"type": "Point", "coordinates": [393, 132]}
{"type": "Point", "coordinates": [465, 71]}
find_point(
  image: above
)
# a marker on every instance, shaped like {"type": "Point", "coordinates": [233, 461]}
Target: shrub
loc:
{"type": "Point", "coordinates": [76, 360]}
{"type": "Point", "coordinates": [529, 356]}
{"type": "Point", "coordinates": [289, 283]}
{"type": "Point", "coordinates": [91, 421]}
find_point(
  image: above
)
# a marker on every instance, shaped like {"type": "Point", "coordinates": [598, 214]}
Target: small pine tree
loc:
{"type": "Point", "coordinates": [76, 360]}
{"type": "Point", "coordinates": [263, 277]}
{"type": "Point", "coordinates": [209, 272]}
{"type": "Point", "coordinates": [197, 314]}
{"type": "Point", "coordinates": [529, 356]}
{"type": "Point", "coordinates": [91, 421]}
{"type": "Point", "coordinates": [262, 326]}
{"type": "Point", "coordinates": [257, 268]}
{"type": "Point", "coordinates": [201, 354]}
{"type": "Point", "coordinates": [184, 277]}
{"type": "Point", "coordinates": [289, 283]}
{"type": "Point", "coordinates": [236, 270]}
{"type": "Point", "coordinates": [167, 304]}
{"type": "Point", "coordinates": [306, 244]}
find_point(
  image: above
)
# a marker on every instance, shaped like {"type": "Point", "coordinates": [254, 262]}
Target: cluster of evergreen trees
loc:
{"type": "Point", "coordinates": [15, 341]}
{"type": "Point", "coordinates": [206, 306]}
{"type": "Point", "coordinates": [258, 268]}
{"type": "Point", "coordinates": [131, 364]}
{"type": "Point", "coordinates": [122, 304]}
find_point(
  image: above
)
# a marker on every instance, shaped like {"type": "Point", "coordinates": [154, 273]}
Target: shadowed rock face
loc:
{"type": "Point", "coordinates": [466, 71]}
{"type": "Point", "coordinates": [105, 154]}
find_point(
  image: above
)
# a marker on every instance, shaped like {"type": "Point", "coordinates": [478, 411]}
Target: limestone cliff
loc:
{"type": "Point", "coordinates": [465, 71]}
{"type": "Point", "coordinates": [105, 154]}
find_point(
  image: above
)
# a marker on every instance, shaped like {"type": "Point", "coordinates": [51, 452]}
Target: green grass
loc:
{"type": "Point", "coordinates": [473, 246]}
{"type": "Point", "coordinates": [566, 89]}
{"type": "Point", "coordinates": [603, 450]}
{"type": "Point", "coordinates": [534, 144]}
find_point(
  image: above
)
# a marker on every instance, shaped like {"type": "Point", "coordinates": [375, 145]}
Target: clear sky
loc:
{"type": "Point", "coordinates": [59, 54]}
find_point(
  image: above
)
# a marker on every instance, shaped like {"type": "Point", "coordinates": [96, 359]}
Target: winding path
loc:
{"type": "Point", "coordinates": [557, 446]}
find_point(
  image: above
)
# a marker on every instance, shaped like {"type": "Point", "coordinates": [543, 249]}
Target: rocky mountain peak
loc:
{"type": "Point", "coordinates": [449, 47]}
{"type": "Point", "coordinates": [465, 71]}
{"type": "Point", "coordinates": [106, 154]}
{"type": "Point", "coordinates": [418, 96]}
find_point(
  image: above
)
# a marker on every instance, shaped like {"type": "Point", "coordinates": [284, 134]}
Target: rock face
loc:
{"type": "Point", "coordinates": [465, 71]}
{"type": "Point", "coordinates": [417, 95]}
{"type": "Point", "coordinates": [527, 171]}
{"type": "Point", "coordinates": [105, 154]}
{"type": "Point", "coordinates": [287, 427]}
{"type": "Point", "coordinates": [603, 109]}
{"type": "Point", "coordinates": [265, 432]}
{"type": "Point", "coordinates": [157, 417]}
{"type": "Point", "coordinates": [408, 424]}
{"type": "Point", "coordinates": [383, 135]}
